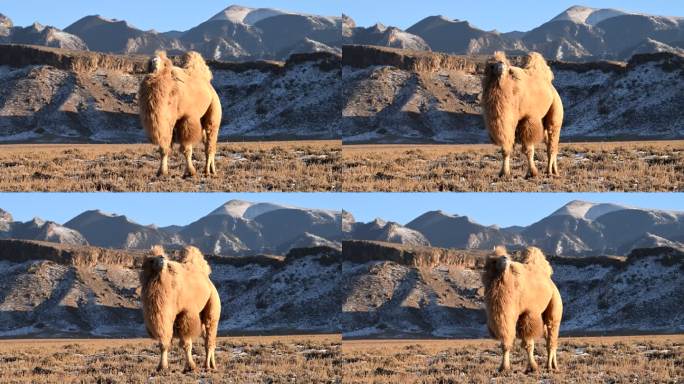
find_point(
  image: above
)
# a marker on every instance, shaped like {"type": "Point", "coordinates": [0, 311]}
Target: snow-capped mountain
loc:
{"type": "Point", "coordinates": [235, 33]}
{"type": "Point", "coordinates": [579, 228]}
{"type": "Point", "coordinates": [235, 228]}
{"type": "Point", "coordinates": [577, 34]}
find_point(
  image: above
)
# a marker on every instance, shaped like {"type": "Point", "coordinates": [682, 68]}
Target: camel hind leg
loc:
{"type": "Point", "coordinates": [187, 326]}
{"type": "Point", "coordinates": [189, 132]}
{"type": "Point", "coordinates": [529, 132]}
{"type": "Point", "coordinates": [211, 122]}
{"type": "Point", "coordinates": [210, 316]}
{"type": "Point", "coordinates": [529, 327]}
{"type": "Point", "coordinates": [552, 319]}
{"type": "Point", "coordinates": [552, 124]}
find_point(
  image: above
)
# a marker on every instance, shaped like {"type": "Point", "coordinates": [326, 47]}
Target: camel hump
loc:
{"type": "Point", "coordinates": [537, 66]}
{"type": "Point", "coordinates": [193, 257]}
{"type": "Point", "coordinates": [195, 65]}
{"type": "Point", "coordinates": [534, 258]}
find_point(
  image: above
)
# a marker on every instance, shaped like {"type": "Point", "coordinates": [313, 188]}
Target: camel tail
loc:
{"type": "Point", "coordinates": [533, 258]}
{"type": "Point", "coordinates": [536, 66]}
{"type": "Point", "coordinates": [193, 257]}
{"type": "Point", "coordinates": [195, 66]}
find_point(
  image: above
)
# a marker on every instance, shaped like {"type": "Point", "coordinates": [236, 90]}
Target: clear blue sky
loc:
{"type": "Point", "coordinates": [164, 209]}
{"type": "Point", "coordinates": [504, 15]}
{"type": "Point", "coordinates": [161, 15]}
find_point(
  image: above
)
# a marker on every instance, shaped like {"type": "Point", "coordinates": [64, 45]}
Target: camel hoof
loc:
{"type": "Point", "coordinates": [531, 175]}
{"type": "Point", "coordinates": [531, 369]}
{"type": "Point", "coordinates": [189, 369]}
{"type": "Point", "coordinates": [189, 174]}
{"type": "Point", "coordinates": [162, 173]}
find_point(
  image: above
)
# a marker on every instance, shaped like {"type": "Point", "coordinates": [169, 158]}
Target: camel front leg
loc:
{"type": "Point", "coordinates": [187, 152]}
{"type": "Point", "coordinates": [528, 345]}
{"type": "Point", "coordinates": [164, 165]}
{"type": "Point", "coordinates": [210, 164]}
{"type": "Point", "coordinates": [164, 355]}
{"type": "Point", "coordinates": [506, 356]}
{"type": "Point", "coordinates": [552, 158]}
{"type": "Point", "coordinates": [528, 149]}
{"type": "Point", "coordinates": [551, 347]}
{"type": "Point", "coordinates": [186, 344]}
{"type": "Point", "coordinates": [506, 166]}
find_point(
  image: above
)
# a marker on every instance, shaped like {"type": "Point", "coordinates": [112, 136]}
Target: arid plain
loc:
{"type": "Point", "coordinates": [303, 166]}
{"type": "Point", "coordinates": [584, 167]}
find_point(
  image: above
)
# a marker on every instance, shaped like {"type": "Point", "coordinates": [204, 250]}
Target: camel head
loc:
{"type": "Point", "coordinates": [497, 65]}
{"type": "Point", "coordinates": [497, 264]}
{"type": "Point", "coordinates": [155, 263]}
{"type": "Point", "coordinates": [158, 62]}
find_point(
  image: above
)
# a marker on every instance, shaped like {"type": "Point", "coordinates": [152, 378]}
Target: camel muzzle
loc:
{"type": "Point", "coordinates": [502, 263]}
{"type": "Point", "coordinates": [158, 263]}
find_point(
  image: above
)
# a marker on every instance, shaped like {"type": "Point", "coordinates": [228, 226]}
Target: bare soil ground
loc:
{"type": "Point", "coordinates": [267, 359]}
{"type": "Point", "coordinates": [300, 166]}
{"type": "Point", "coordinates": [631, 359]}
{"type": "Point", "coordinates": [584, 167]}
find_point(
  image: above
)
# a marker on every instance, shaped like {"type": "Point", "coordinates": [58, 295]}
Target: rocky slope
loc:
{"type": "Point", "coordinates": [38, 34]}
{"type": "Point", "coordinates": [380, 35]}
{"type": "Point", "coordinates": [402, 96]}
{"type": "Point", "coordinates": [38, 229]}
{"type": "Point", "coordinates": [235, 228]}
{"type": "Point", "coordinates": [577, 34]}
{"type": "Point", "coordinates": [579, 228]}
{"type": "Point", "coordinates": [53, 291]}
{"type": "Point", "coordinates": [388, 296]}
{"type": "Point", "coordinates": [53, 95]}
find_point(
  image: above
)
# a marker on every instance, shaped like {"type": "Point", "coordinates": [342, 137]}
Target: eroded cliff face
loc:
{"type": "Point", "coordinates": [401, 96]}
{"type": "Point", "coordinates": [57, 95]}
{"type": "Point", "coordinates": [53, 290]}
{"type": "Point", "coordinates": [421, 295]}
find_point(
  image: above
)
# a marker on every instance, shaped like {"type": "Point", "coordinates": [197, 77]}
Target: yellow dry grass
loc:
{"type": "Point", "coordinates": [242, 167]}
{"type": "Point", "coordinates": [269, 359]}
{"type": "Point", "coordinates": [584, 167]}
{"type": "Point", "coordinates": [631, 359]}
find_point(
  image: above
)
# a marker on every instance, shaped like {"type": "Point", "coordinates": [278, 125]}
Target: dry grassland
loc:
{"type": "Point", "coordinates": [584, 167]}
{"type": "Point", "coordinates": [242, 167]}
{"type": "Point", "coordinates": [272, 359]}
{"type": "Point", "coordinates": [633, 359]}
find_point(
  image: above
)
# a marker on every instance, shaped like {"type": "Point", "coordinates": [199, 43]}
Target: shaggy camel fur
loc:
{"type": "Point", "coordinates": [522, 300]}
{"type": "Point", "coordinates": [521, 104]}
{"type": "Point", "coordinates": [179, 299]}
{"type": "Point", "coordinates": [179, 104]}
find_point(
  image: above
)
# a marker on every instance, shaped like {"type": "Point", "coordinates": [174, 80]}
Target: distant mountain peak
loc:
{"type": "Point", "coordinates": [586, 15]}
{"type": "Point", "coordinates": [245, 15]}
{"type": "Point", "coordinates": [581, 209]}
